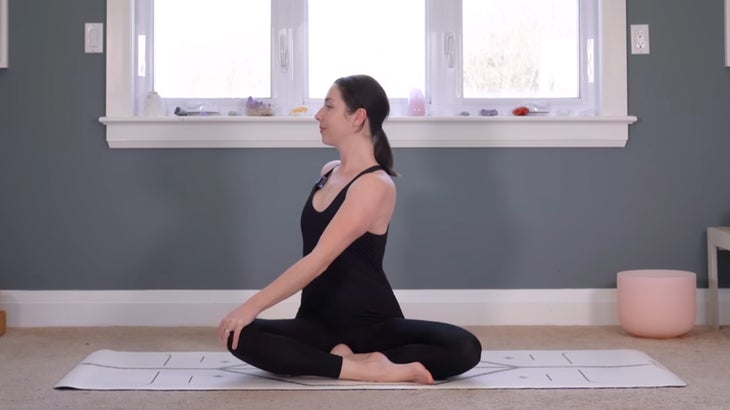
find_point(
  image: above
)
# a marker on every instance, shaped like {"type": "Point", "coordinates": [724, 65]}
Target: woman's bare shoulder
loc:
{"type": "Point", "coordinates": [378, 182]}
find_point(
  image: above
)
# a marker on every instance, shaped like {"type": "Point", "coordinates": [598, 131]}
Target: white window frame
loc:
{"type": "Point", "coordinates": [124, 130]}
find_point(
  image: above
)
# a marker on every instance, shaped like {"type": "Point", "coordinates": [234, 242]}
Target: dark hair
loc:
{"type": "Point", "coordinates": [362, 91]}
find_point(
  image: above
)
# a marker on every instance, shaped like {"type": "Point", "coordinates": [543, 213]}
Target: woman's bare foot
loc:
{"type": "Point", "coordinates": [342, 350]}
{"type": "Point", "coordinates": [376, 367]}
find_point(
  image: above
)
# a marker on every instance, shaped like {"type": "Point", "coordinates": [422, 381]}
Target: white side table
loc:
{"type": "Point", "coordinates": [717, 238]}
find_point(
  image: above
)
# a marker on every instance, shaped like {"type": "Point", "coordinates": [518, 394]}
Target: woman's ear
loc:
{"type": "Point", "coordinates": [360, 116]}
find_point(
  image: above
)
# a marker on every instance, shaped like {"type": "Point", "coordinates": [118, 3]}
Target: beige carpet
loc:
{"type": "Point", "coordinates": [33, 360]}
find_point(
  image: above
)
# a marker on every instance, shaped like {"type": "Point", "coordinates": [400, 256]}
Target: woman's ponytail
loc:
{"type": "Point", "coordinates": [383, 152]}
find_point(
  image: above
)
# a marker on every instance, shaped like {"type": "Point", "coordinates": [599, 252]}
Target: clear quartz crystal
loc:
{"type": "Point", "coordinates": [153, 106]}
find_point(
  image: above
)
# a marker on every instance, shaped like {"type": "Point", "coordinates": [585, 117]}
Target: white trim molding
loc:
{"type": "Point", "coordinates": [403, 132]}
{"type": "Point", "coordinates": [484, 307]}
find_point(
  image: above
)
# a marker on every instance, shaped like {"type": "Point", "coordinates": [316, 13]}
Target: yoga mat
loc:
{"type": "Point", "coordinates": [517, 369]}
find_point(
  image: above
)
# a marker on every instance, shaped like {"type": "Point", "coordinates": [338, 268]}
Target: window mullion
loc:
{"type": "Point", "coordinates": [445, 50]}
{"type": "Point", "coordinates": [589, 58]}
{"type": "Point", "coordinates": [301, 74]}
{"type": "Point", "coordinates": [288, 65]}
{"type": "Point", "coordinates": [143, 56]}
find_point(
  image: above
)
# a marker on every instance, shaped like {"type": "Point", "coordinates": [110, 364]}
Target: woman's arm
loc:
{"type": "Point", "coordinates": [368, 206]}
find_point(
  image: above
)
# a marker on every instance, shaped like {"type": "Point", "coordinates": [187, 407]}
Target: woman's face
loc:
{"type": "Point", "coordinates": [334, 120]}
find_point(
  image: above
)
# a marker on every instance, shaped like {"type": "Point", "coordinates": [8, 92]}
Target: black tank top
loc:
{"type": "Point", "coordinates": [353, 291]}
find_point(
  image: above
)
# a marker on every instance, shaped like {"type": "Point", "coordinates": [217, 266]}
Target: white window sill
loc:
{"type": "Point", "coordinates": [403, 132]}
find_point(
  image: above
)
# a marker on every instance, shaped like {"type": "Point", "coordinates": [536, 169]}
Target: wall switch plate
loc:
{"type": "Point", "coordinates": [639, 39]}
{"type": "Point", "coordinates": [94, 38]}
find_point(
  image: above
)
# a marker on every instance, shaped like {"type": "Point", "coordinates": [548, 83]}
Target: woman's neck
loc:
{"type": "Point", "coordinates": [356, 156]}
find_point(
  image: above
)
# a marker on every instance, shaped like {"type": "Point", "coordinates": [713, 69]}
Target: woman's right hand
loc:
{"type": "Point", "coordinates": [234, 322]}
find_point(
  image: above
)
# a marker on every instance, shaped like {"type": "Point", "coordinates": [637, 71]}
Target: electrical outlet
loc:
{"type": "Point", "coordinates": [639, 39]}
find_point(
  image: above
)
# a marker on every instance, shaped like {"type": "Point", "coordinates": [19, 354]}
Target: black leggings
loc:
{"type": "Point", "coordinates": [302, 347]}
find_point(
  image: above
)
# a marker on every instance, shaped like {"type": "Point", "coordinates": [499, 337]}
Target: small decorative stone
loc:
{"type": "Point", "coordinates": [258, 108]}
{"type": "Point", "coordinates": [299, 110]}
{"type": "Point", "coordinates": [488, 112]}
{"type": "Point", "coordinates": [521, 111]}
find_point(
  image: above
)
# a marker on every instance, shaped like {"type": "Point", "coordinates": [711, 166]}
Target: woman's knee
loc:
{"type": "Point", "coordinates": [472, 350]}
{"type": "Point", "coordinates": [462, 353]}
{"type": "Point", "coordinates": [248, 339]}
{"type": "Point", "coordinates": [467, 353]}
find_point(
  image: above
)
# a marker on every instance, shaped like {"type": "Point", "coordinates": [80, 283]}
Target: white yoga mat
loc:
{"type": "Point", "coordinates": [517, 369]}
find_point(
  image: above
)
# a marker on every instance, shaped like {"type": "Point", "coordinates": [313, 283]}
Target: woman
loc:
{"type": "Point", "coordinates": [349, 324]}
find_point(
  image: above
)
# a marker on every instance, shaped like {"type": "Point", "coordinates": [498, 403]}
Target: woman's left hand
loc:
{"type": "Point", "coordinates": [234, 322]}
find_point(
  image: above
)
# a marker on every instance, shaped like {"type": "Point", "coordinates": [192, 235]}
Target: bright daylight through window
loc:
{"type": "Point", "coordinates": [390, 46]}
{"type": "Point", "coordinates": [512, 53]}
{"type": "Point", "coordinates": [465, 59]}
{"type": "Point", "coordinates": [214, 49]}
{"type": "Point", "coordinates": [526, 49]}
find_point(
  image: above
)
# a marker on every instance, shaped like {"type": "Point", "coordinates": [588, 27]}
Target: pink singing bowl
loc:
{"type": "Point", "coordinates": [657, 303]}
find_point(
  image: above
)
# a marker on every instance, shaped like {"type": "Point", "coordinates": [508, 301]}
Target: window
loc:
{"type": "Point", "coordinates": [526, 49]}
{"type": "Point", "coordinates": [465, 55]}
{"type": "Point", "coordinates": [503, 54]}
{"type": "Point", "coordinates": [487, 53]}
{"type": "Point", "coordinates": [387, 40]}
{"type": "Point", "coordinates": [220, 50]}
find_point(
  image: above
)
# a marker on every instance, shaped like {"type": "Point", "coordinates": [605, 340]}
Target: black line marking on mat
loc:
{"type": "Point", "coordinates": [155, 378]}
{"type": "Point", "coordinates": [169, 357]}
{"type": "Point", "coordinates": [500, 367]}
{"type": "Point", "coordinates": [202, 358]}
{"type": "Point", "coordinates": [548, 377]}
{"type": "Point", "coordinates": [584, 375]}
{"type": "Point", "coordinates": [565, 355]}
{"type": "Point", "coordinates": [532, 357]}
{"type": "Point", "coordinates": [190, 379]}
{"type": "Point", "coordinates": [474, 376]}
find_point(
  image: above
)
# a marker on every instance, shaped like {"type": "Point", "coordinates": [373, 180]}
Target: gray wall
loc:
{"type": "Point", "coordinates": [76, 215]}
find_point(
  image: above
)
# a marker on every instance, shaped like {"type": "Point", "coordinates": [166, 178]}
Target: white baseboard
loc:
{"type": "Point", "coordinates": [484, 307]}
